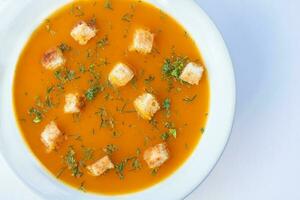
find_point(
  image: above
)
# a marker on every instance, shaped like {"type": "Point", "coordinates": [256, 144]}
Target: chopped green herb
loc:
{"type": "Point", "coordinates": [173, 132]}
{"type": "Point", "coordinates": [136, 164]}
{"type": "Point", "coordinates": [127, 17]}
{"type": "Point", "coordinates": [64, 47]}
{"type": "Point", "coordinates": [106, 121]}
{"type": "Point", "coordinates": [138, 152]}
{"type": "Point", "coordinates": [108, 5]}
{"type": "Point", "coordinates": [87, 153]}
{"type": "Point", "coordinates": [169, 125]}
{"type": "Point", "coordinates": [82, 69]}
{"type": "Point", "coordinates": [120, 168]}
{"type": "Point", "coordinates": [122, 110]}
{"type": "Point", "coordinates": [154, 123]}
{"type": "Point", "coordinates": [60, 172]}
{"type": "Point", "coordinates": [72, 163]}
{"type": "Point", "coordinates": [36, 114]}
{"type": "Point", "coordinates": [81, 187]}
{"type": "Point", "coordinates": [110, 149]}
{"type": "Point", "coordinates": [48, 102]}
{"type": "Point", "coordinates": [76, 11]}
{"type": "Point", "coordinates": [190, 99]}
{"type": "Point", "coordinates": [103, 42]}
{"type": "Point", "coordinates": [173, 66]}
{"type": "Point", "coordinates": [150, 79]}
{"type": "Point", "coordinates": [93, 91]}
{"type": "Point", "coordinates": [167, 106]}
{"type": "Point", "coordinates": [154, 171]}
{"type": "Point", "coordinates": [93, 72]}
{"type": "Point", "coordinates": [202, 130]}
{"type": "Point", "coordinates": [133, 83]}
{"type": "Point", "coordinates": [93, 21]}
{"type": "Point", "coordinates": [64, 75]}
{"type": "Point", "coordinates": [164, 136]}
{"type": "Point", "coordinates": [103, 62]}
{"type": "Point", "coordinates": [107, 97]}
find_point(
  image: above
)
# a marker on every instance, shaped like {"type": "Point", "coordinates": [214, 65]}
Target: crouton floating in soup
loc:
{"type": "Point", "coordinates": [157, 155]}
{"type": "Point", "coordinates": [146, 105]}
{"type": "Point", "coordinates": [192, 73]}
{"type": "Point", "coordinates": [119, 103]}
{"type": "Point", "coordinates": [51, 136]}
{"type": "Point", "coordinates": [100, 166]}
{"type": "Point", "coordinates": [73, 103]}
{"type": "Point", "coordinates": [142, 41]}
{"type": "Point", "coordinates": [53, 59]}
{"type": "Point", "coordinates": [120, 75]}
{"type": "Point", "coordinates": [83, 32]}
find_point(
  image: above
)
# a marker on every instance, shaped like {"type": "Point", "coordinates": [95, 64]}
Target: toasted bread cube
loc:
{"type": "Point", "coordinates": [83, 32]}
{"type": "Point", "coordinates": [51, 136]}
{"type": "Point", "coordinates": [157, 155]}
{"type": "Point", "coordinates": [120, 75]}
{"type": "Point", "coordinates": [192, 73]}
{"type": "Point", "coordinates": [146, 106]}
{"type": "Point", "coordinates": [142, 41]}
{"type": "Point", "coordinates": [53, 59]}
{"type": "Point", "coordinates": [73, 104]}
{"type": "Point", "coordinates": [100, 166]}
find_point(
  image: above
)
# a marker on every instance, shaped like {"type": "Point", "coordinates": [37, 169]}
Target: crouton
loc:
{"type": "Point", "coordinates": [83, 32]}
{"type": "Point", "coordinates": [146, 106]}
{"type": "Point", "coordinates": [142, 41]}
{"type": "Point", "coordinates": [51, 136]}
{"type": "Point", "coordinates": [120, 75]}
{"type": "Point", "coordinates": [100, 166]}
{"type": "Point", "coordinates": [192, 73]}
{"type": "Point", "coordinates": [157, 155]}
{"type": "Point", "coordinates": [74, 103]}
{"type": "Point", "coordinates": [53, 59]}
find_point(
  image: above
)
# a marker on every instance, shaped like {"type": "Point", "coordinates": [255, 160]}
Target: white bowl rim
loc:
{"type": "Point", "coordinates": [222, 84]}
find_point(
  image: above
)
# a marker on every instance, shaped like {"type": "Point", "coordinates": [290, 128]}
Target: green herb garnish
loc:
{"type": "Point", "coordinates": [127, 17]}
{"type": "Point", "coordinates": [110, 149]}
{"type": "Point", "coordinates": [36, 114]}
{"type": "Point", "coordinates": [64, 47]}
{"type": "Point", "coordinates": [76, 11]}
{"type": "Point", "coordinates": [93, 91]}
{"type": "Point", "coordinates": [72, 163]}
{"type": "Point", "coordinates": [82, 187]}
{"type": "Point", "coordinates": [173, 66]}
{"type": "Point", "coordinates": [108, 5]}
{"type": "Point", "coordinates": [103, 42]}
{"type": "Point", "coordinates": [189, 99]}
{"type": "Point", "coordinates": [150, 79]}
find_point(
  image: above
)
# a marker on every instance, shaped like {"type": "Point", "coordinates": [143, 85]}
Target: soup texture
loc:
{"type": "Point", "coordinates": [108, 95]}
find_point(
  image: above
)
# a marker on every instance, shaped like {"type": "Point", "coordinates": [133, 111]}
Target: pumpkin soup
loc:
{"type": "Point", "coordinates": [111, 96]}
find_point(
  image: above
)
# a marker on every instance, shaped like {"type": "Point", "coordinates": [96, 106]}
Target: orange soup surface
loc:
{"type": "Point", "coordinates": [108, 122]}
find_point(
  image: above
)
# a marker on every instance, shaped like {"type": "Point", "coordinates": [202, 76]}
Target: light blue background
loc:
{"type": "Point", "coordinates": [262, 157]}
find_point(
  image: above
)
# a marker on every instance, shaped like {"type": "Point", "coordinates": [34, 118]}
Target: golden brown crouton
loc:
{"type": "Point", "coordinates": [192, 73]}
{"type": "Point", "coordinates": [146, 106]}
{"type": "Point", "coordinates": [142, 41]}
{"type": "Point", "coordinates": [100, 166]}
{"type": "Point", "coordinates": [53, 59]}
{"type": "Point", "coordinates": [157, 155]}
{"type": "Point", "coordinates": [83, 32]}
{"type": "Point", "coordinates": [120, 75]}
{"type": "Point", "coordinates": [74, 102]}
{"type": "Point", "coordinates": [51, 136]}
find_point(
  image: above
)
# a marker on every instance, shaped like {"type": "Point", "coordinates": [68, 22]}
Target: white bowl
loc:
{"type": "Point", "coordinates": [22, 17]}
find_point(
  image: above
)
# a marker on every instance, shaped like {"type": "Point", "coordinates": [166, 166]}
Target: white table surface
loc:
{"type": "Point", "coordinates": [261, 160]}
